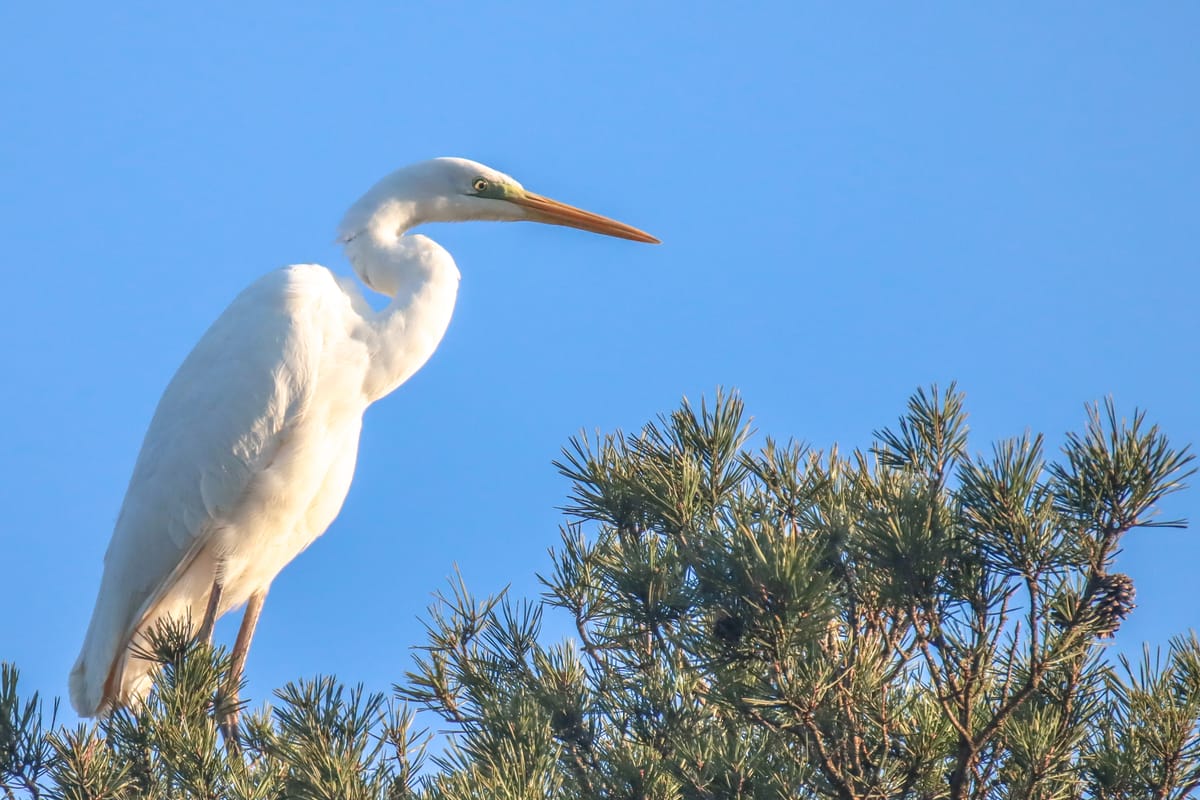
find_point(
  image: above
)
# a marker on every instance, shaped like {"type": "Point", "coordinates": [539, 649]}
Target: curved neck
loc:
{"type": "Point", "coordinates": [393, 264]}
{"type": "Point", "coordinates": [421, 279]}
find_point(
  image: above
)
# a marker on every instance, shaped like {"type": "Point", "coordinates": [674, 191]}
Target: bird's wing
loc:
{"type": "Point", "coordinates": [218, 424]}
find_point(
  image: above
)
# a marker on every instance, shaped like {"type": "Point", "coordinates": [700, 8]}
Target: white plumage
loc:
{"type": "Point", "coordinates": [251, 450]}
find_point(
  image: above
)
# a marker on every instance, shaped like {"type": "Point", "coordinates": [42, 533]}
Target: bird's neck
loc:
{"type": "Point", "coordinates": [421, 279]}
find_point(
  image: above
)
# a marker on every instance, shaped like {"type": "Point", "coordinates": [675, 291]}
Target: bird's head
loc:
{"type": "Point", "coordinates": [458, 190]}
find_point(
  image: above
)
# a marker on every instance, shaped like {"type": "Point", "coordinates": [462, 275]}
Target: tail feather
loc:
{"type": "Point", "coordinates": [85, 693]}
{"type": "Point", "coordinates": [92, 671]}
{"type": "Point", "coordinates": [106, 674]}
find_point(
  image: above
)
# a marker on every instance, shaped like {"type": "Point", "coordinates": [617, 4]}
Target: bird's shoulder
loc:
{"type": "Point", "coordinates": [285, 293]}
{"type": "Point", "coordinates": [224, 414]}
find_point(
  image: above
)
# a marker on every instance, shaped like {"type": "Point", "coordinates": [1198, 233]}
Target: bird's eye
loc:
{"type": "Point", "coordinates": [480, 184]}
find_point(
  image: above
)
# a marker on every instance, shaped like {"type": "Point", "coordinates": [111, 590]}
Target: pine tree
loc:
{"type": "Point", "coordinates": [908, 622]}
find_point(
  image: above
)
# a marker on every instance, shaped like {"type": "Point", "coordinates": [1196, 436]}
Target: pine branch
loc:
{"type": "Point", "coordinates": [743, 624]}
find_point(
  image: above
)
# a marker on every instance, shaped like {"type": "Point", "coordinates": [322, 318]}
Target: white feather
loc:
{"type": "Point", "coordinates": [252, 447]}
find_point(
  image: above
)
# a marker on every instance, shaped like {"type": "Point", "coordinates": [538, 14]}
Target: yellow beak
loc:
{"type": "Point", "coordinates": [552, 212]}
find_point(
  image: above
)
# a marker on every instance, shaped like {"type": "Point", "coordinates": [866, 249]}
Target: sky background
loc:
{"type": "Point", "coordinates": [854, 201]}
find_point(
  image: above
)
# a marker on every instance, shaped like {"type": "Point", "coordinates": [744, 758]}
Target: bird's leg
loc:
{"type": "Point", "coordinates": [241, 646]}
{"type": "Point", "coordinates": [205, 633]}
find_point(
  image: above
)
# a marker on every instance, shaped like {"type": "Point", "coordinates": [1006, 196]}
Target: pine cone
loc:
{"type": "Point", "coordinates": [1112, 602]}
{"type": "Point", "coordinates": [570, 726]}
{"type": "Point", "coordinates": [728, 628]}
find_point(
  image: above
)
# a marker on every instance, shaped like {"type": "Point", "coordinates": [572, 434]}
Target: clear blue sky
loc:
{"type": "Point", "coordinates": [852, 203]}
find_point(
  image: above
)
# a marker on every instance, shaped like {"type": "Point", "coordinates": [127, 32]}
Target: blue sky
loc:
{"type": "Point", "coordinates": [853, 202]}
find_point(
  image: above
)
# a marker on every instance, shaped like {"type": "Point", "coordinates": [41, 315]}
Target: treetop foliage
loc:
{"type": "Point", "coordinates": [912, 621]}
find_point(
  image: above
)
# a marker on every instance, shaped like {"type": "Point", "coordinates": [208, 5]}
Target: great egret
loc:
{"type": "Point", "coordinates": [252, 447]}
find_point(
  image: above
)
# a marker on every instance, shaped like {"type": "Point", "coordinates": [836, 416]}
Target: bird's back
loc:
{"type": "Point", "coordinates": [222, 423]}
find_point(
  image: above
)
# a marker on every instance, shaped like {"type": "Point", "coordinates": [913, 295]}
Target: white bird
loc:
{"type": "Point", "coordinates": [252, 447]}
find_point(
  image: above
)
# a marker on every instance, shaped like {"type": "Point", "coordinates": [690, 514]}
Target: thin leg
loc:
{"type": "Point", "coordinates": [210, 614]}
{"type": "Point", "coordinates": [241, 647]}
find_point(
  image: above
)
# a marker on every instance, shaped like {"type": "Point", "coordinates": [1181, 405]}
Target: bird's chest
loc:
{"type": "Point", "coordinates": [296, 497]}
